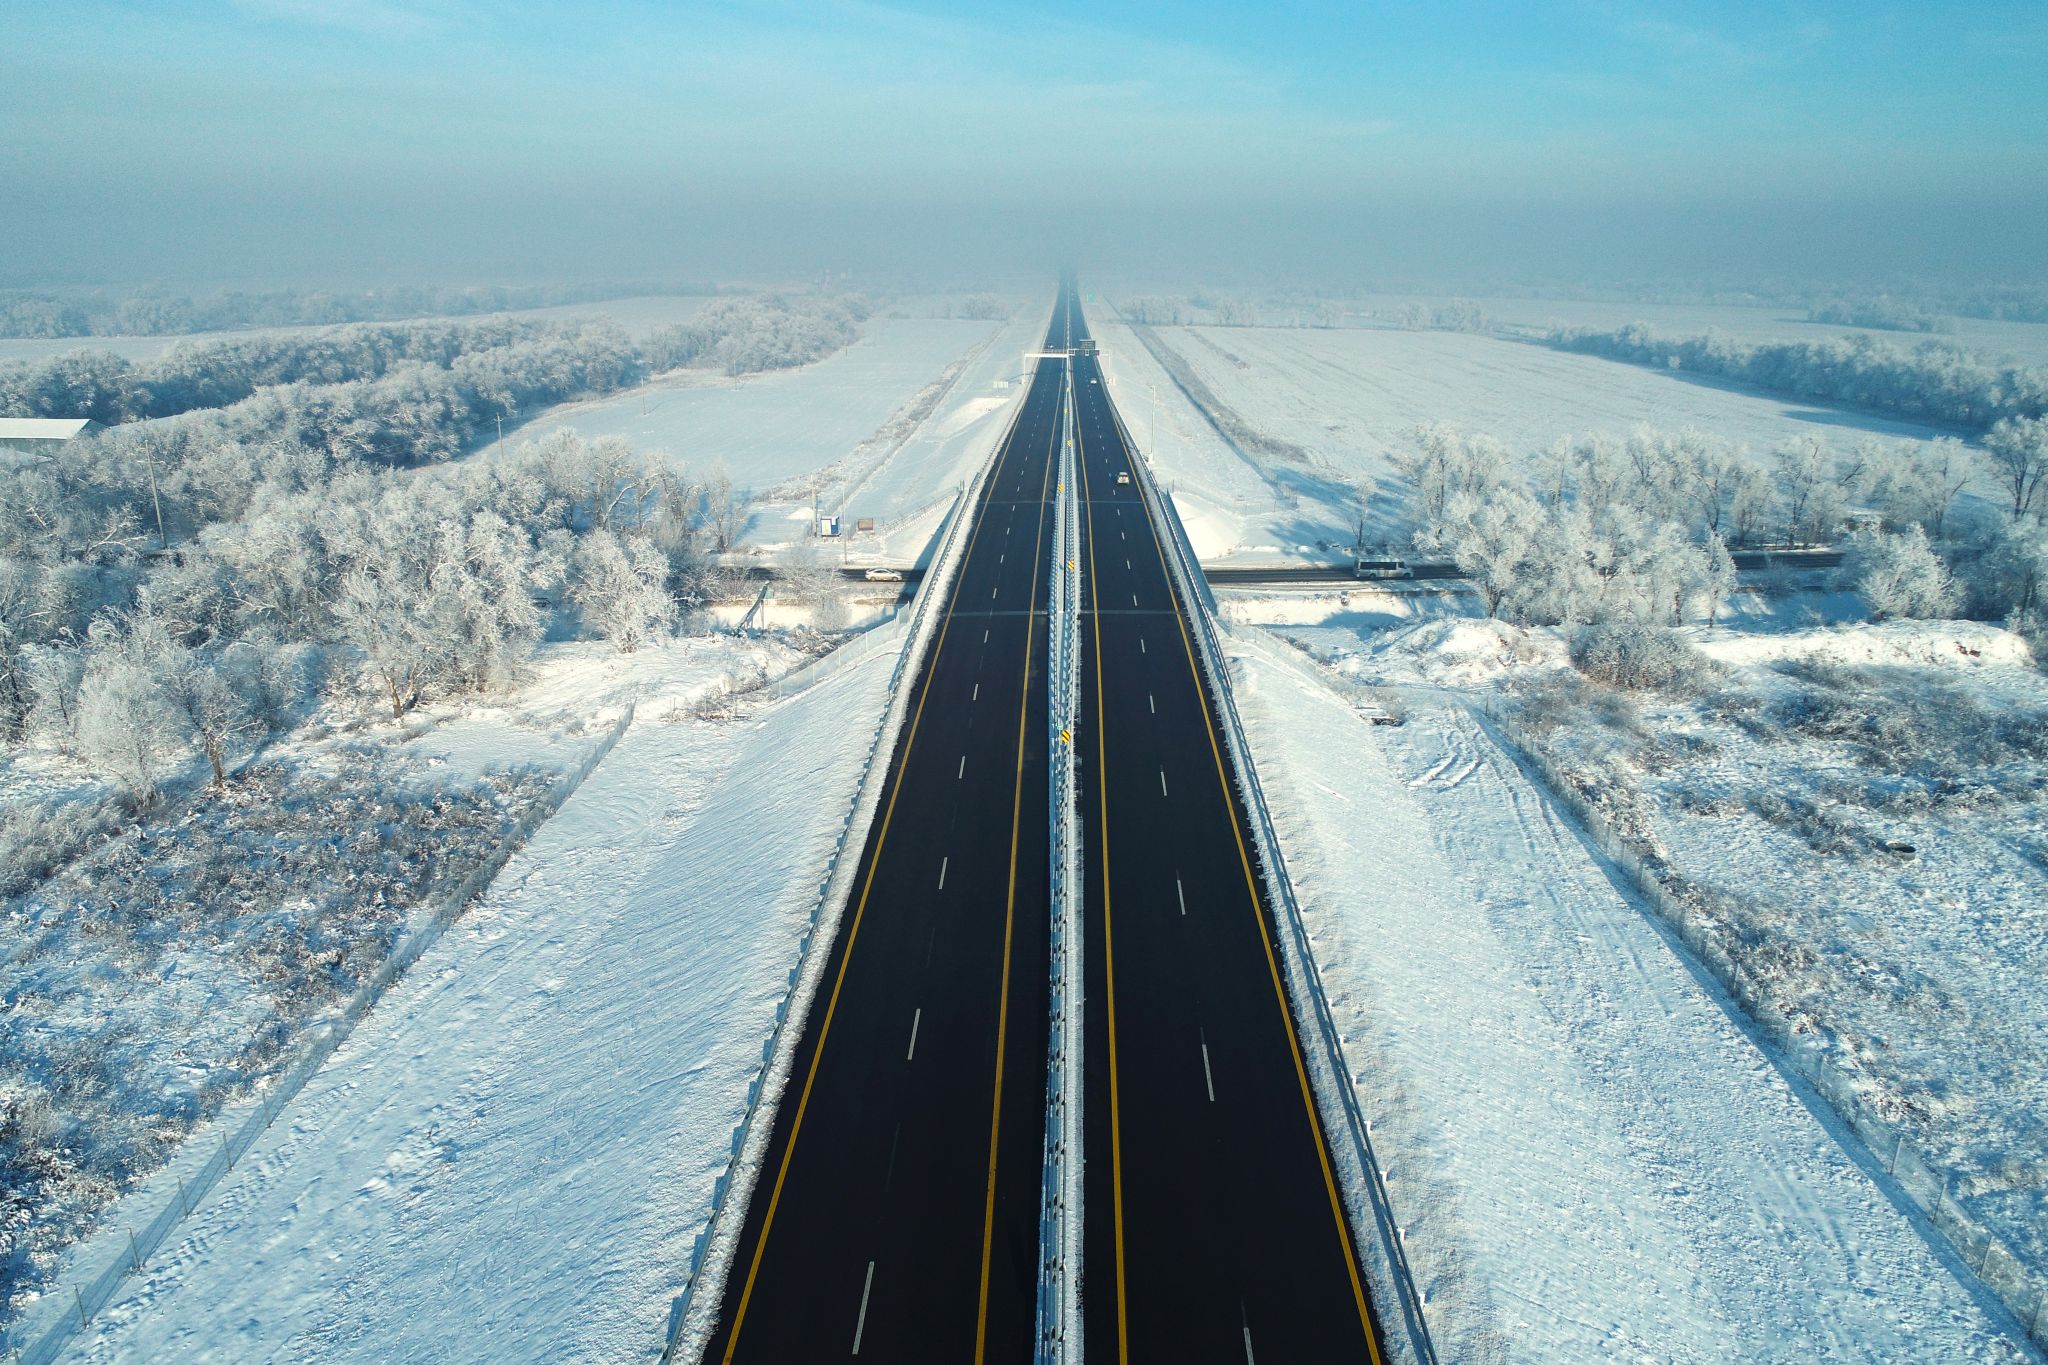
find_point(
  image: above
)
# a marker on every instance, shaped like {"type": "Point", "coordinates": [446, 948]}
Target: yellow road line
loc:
{"type": "Point", "coordinates": [995, 1125]}
{"type": "Point", "coordinates": [1116, 1134]}
{"type": "Point", "coordinates": [1272, 963]}
{"type": "Point", "coordinates": [852, 933]}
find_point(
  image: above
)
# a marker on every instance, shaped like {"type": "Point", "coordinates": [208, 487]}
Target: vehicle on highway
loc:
{"type": "Point", "coordinates": [884, 576]}
{"type": "Point", "coordinates": [1376, 567]}
{"type": "Point", "coordinates": [1123, 476]}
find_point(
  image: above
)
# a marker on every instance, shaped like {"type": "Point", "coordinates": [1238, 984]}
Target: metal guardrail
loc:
{"type": "Point", "coordinates": [1309, 995]}
{"type": "Point", "coordinates": [711, 1245]}
{"type": "Point", "coordinates": [91, 1297]}
{"type": "Point", "coordinates": [1060, 1212]}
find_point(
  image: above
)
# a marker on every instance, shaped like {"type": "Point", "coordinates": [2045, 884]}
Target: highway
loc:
{"type": "Point", "coordinates": [1214, 1229]}
{"type": "Point", "coordinates": [896, 1214]}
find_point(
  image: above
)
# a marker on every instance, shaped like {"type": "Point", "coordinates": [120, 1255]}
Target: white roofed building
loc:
{"type": "Point", "coordinates": [42, 435]}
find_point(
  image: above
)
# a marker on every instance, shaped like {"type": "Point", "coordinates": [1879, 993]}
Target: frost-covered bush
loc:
{"type": "Point", "coordinates": [1901, 720]}
{"type": "Point", "coordinates": [1640, 658]}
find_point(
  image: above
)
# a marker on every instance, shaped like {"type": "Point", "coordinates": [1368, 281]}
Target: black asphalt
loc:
{"type": "Point", "coordinates": [1214, 1231]}
{"type": "Point", "coordinates": [876, 1214]}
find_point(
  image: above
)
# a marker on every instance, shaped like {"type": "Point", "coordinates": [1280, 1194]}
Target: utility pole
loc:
{"type": "Point", "coordinates": [163, 541]}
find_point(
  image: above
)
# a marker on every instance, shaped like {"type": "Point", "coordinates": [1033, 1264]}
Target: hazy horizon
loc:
{"type": "Point", "coordinates": [299, 141]}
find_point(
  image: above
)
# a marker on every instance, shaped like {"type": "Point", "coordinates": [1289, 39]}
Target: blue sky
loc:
{"type": "Point", "coordinates": [287, 120]}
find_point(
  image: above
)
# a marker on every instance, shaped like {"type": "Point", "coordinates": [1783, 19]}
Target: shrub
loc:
{"type": "Point", "coordinates": [1640, 658]}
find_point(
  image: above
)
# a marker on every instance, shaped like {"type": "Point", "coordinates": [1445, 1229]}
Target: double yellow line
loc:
{"type": "Point", "coordinates": [1265, 938]}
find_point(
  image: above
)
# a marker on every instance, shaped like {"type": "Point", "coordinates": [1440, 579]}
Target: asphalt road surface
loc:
{"type": "Point", "coordinates": [1214, 1227]}
{"type": "Point", "coordinates": [896, 1216]}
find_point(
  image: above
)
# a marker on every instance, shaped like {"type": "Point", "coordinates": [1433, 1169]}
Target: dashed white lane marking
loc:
{"type": "Point", "coordinates": [977, 693]}
{"type": "Point", "coordinates": [911, 1055]}
{"type": "Point", "coordinates": [992, 592]}
{"type": "Point", "coordinates": [1152, 702]}
{"type": "Point", "coordinates": [942, 871]}
{"type": "Point", "coordinates": [1141, 644]}
{"type": "Point", "coordinates": [1134, 599]}
{"type": "Point", "coordinates": [860, 1323]}
{"type": "Point", "coordinates": [1162, 781]}
{"type": "Point", "coordinates": [963, 768]}
{"type": "Point", "coordinates": [1180, 895]}
{"type": "Point", "coordinates": [984, 635]}
{"type": "Point", "coordinates": [1208, 1079]}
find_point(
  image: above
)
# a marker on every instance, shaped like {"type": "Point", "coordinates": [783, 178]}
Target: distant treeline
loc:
{"type": "Point", "coordinates": [151, 312]}
{"type": "Point", "coordinates": [1933, 382]}
{"type": "Point", "coordinates": [1883, 311]}
{"type": "Point", "coordinates": [469, 373]}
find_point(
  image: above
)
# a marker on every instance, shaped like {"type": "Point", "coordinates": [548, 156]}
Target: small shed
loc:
{"type": "Point", "coordinates": [42, 435]}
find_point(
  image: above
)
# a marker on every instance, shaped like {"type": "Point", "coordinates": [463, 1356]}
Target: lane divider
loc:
{"type": "Point", "coordinates": [1060, 1212]}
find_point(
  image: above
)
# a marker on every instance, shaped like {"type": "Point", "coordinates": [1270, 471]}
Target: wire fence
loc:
{"type": "Point", "coordinates": [712, 1247]}
{"type": "Point", "coordinates": [89, 1297]}
{"type": "Point", "coordinates": [1059, 1223]}
{"type": "Point", "coordinates": [2019, 1285]}
{"type": "Point", "coordinates": [1360, 1165]}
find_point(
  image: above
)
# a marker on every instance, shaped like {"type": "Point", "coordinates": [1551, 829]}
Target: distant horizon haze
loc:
{"type": "Point", "coordinates": [343, 141]}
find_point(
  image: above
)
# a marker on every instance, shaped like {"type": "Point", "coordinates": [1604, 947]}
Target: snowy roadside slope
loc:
{"type": "Point", "coordinates": [1591, 1160]}
{"type": "Point", "coordinates": [511, 1156]}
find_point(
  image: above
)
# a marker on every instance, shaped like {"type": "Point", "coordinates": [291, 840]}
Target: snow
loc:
{"type": "Point", "coordinates": [516, 1148]}
{"type": "Point", "coordinates": [1590, 1155]}
{"type": "Point", "coordinates": [1344, 399]}
{"type": "Point", "coordinates": [778, 424]}
{"type": "Point", "coordinates": [885, 428]}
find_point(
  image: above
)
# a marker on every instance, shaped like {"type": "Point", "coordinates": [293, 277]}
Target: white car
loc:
{"type": "Point", "coordinates": [884, 576]}
{"type": "Point", "coordinates": [1123, 476]}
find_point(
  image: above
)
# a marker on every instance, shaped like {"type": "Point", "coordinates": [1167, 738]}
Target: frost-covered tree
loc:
{"type": "Point", "coordinates": [1718, 582]}
{"type": "Point", "coordinates": [724, 509]}
{"type": "Point", "coordinates": [2018, 447]}
{"type": "Point", "coordinates": [128, 725]}
{"type": "Point", "coordinates": [1899, 574]}
{"type": "Point", "coordinates": [218, 715]}
{"type": "Point", "coordinates": [383, 609]}
{"type": "Point", "coordinates": [621, 586]}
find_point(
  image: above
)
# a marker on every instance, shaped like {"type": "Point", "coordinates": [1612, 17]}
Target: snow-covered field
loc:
{"type": "Point", "coordinates": [2026, 342]}
{"type": "Point", "coordinates": [880, 429]}
{"type": "Point", "coordinates": [510, 1157]}
{"type": "Point", "coordinates": [1590, 1155]}
{"type": "Point", "coordinates": [1334, 404]}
